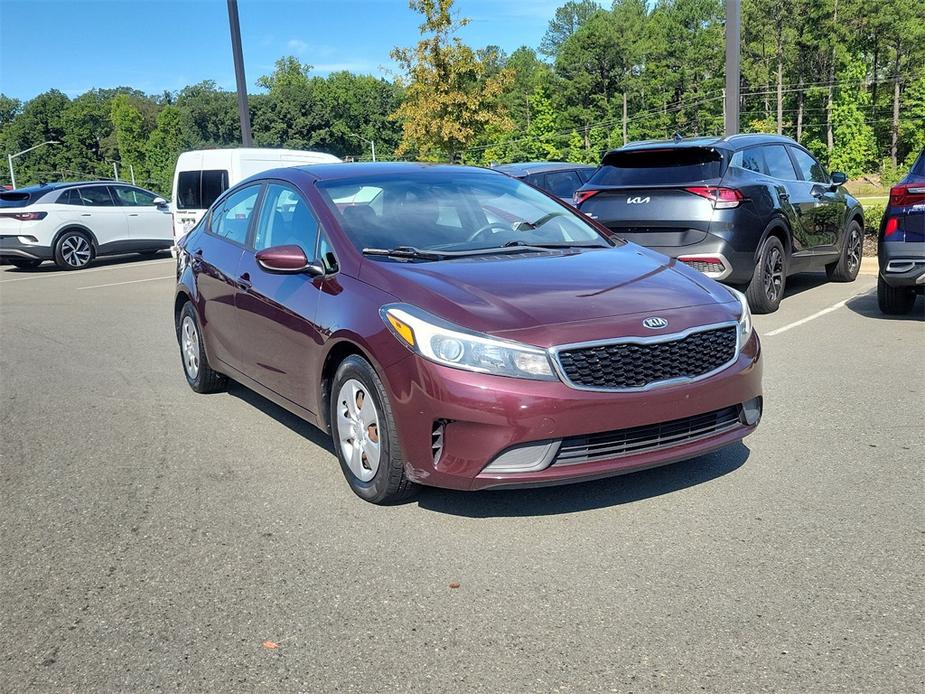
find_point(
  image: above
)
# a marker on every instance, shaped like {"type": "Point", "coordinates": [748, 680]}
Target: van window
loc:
{"type": "Point", "coordinates": [669, 166]}
{"type": "Point", "coordinates": [197, 190]}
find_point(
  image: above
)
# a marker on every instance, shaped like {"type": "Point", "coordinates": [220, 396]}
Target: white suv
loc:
{"type": "Point", "coordinates": [72, 223]}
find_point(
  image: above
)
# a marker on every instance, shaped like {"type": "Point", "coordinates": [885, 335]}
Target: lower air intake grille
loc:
{"type": "Point", "coordinates": [622, 442]}
{"type": "Point", "coordinates": [706, 266]}
{"type": "Point", "coordinates": [627, 365]}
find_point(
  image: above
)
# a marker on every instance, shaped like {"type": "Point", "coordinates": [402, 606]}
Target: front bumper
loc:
{"type": "Point", "coordinates": [12, 247]}
{"type": "Point", "coordinates": [479, 417]}
{"type": "Point", "coordinates": [902, 264]}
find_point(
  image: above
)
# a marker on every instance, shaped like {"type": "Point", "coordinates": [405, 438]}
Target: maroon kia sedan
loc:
{"type": "Point", "coordinates": [455, 327]}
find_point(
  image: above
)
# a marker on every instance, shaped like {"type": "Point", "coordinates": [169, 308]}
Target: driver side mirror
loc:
{"type": "Point", "coordinates": [159, 202]}
{"type": "Point", "coordinates": [838, 178]}
{"type": "Point", "coordinates": [288, 260]}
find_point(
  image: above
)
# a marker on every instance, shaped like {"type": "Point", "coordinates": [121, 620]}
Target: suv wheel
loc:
{"type": "Point", "coordinates": [849, 262]}
{"type": "Point", "coordinates": [894, 301]}
{"type": "Point", "coordinates": [365, 435]}
{"type": "Point", "coordinates": [201, 377]}
{"type": "Point", "coordinates": [766, 288]}
{"type": "Point", "coordinates": [74, 250]}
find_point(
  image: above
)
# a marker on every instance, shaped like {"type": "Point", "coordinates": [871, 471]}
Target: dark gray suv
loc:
{"type": "Point", "coordinates": [747, 210]}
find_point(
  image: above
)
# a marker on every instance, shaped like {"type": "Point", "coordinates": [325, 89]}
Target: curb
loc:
{"type": "Point", "coordinates": [869, 266]}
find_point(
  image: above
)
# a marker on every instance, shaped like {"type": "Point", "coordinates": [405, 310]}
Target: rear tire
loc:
{"type": "Point", "coordinates": [365, 434]}
{"type": "Point", "coordinates": [769, 280]}
{"type": "Point", "coordinates": [74, 250]}
{"type": "Point", "coordinates": [24, 262]}
{"type": "Point", "coordinates": [894, 301]}
{"type": "Point", "coordinates": [849, 262]}
{"type": "Point", "coordinates": [201, 377]}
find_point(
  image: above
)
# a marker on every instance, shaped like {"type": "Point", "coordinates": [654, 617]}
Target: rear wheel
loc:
{"type": "Point", "coordinates": [74, 250]}
{"type": "Point", "coordinates": [201, 377]}
{"type": "Point", "coordinates": [849, 262]}
{"type": "Point", "coordinates": [25, 262]}
{"type": "Point", "coordinates": [766, 288]}
{"type": "Point", "coordinates": [365, 435]}
{"type": "Point", "coordinates": [894, 301]}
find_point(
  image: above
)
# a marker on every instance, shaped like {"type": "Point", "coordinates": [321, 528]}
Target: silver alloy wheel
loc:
{"type": "Point", "coordinates": [358, 430]}
{"type": "Point", "coordinates": [773, 274]}
{"type": "Point", "coordinates": [76, 251]}
{"type": "Point", "coordinates": [854, 249]}
{"type": "Point", "coordinates": [189, 344]}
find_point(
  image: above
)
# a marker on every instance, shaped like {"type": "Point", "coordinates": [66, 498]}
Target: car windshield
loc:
{"type": "Point", "coordinates": [452, 212]}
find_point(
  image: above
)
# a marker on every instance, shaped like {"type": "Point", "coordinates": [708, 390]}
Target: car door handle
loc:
{"type": "Point", "coordinates": [133, 214]}
{"type": "Point", "coordinates": [244, 281]}
{"type": "Point", "coordinates": [86, 214]}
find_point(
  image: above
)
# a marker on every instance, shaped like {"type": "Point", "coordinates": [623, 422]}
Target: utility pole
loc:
{"type": "Point", "coordinates": [131, 168]}
{"type": "Point", "coordinates": [371, 143]}
{"type": "Point", "coordinates": [115, 170]}
{"type": "Point", "coordinates": [11, 157]}
{"type": "Point", "coordinates": [243, 111]}
{"type": "Point", "coordinates": [733, 9]}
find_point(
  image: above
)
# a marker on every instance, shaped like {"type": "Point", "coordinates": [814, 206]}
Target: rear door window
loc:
{"type": "Point", "coordinates": [658, 167]}
{"type": "Point", "coordinates": [231, 219]}
{"type": "Point", "coordinates": [778, 163]}
{"type": "Point", "coordinates": [197, 190]}
{"type": "Point", "coordinates": [563, 183]}
{"type": "Point", "coordinates": [97, 196]}
{"type": "Point", "coordinates": [70, 197]}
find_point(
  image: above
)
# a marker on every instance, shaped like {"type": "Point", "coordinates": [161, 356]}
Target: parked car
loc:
{"type": "Point", "coordinates": [397, 307]}
{"type": "Point", "coordinates": [559, 178]}
{"type": "Point", "coordinates": [202, 175]}
{"type": "Point", "coordinates": [72, 223]}
{"type": "Point", "coordinates": [901, 243]}
{"type": "Point", "coordinates": [747, 210]}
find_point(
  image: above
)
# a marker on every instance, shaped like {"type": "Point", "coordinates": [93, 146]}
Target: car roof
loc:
{"type": "Point", "coordinates": [732, 142]}
{"type": "Point", "coordinates": [333, 172]}
{"type": "Point", "coordinates": [48, 187]}
{"type": "Point", "coordinates": [525, 168]}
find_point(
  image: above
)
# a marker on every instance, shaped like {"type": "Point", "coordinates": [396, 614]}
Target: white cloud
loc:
{"type": "Point", "coordinates": [297, 46]}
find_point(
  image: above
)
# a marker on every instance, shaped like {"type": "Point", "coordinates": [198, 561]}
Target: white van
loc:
{"type": "Point", "coordinates": [202, 175]}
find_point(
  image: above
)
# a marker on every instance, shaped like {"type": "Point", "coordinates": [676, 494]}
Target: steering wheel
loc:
{"type": "Point", "coordinates": [488, 227]}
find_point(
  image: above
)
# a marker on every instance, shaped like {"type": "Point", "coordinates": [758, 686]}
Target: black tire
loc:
{"type": "Point", "coordinates": [389, 484]}
{"type": "Point", "coordinates": [74, 250]}
{"type": "Point", "coordinates": [202, 379]}
{"type": "Point", "coordinates": [849, 262]}
{"type": "Point", "coordinates": [894, 301]}
{"type": "Point", "coordinates": [24, 262]}
{"type": "Point", "coordinates": [769, 279]}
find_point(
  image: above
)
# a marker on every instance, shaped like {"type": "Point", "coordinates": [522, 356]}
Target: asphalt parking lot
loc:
{"type": "Point", "coordinates": [156, 539]}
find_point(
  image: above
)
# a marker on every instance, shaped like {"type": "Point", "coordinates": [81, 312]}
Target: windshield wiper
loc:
{"type": "Point", "coordinates": [405, 252]}
{"type": "Point", "coordinates": [545, 246]}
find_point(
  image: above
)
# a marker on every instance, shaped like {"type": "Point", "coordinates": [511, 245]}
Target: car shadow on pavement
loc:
{"type": "Point", "coordinates": [866, 305]}
{"type": "Point", "coordinates": [128, 259]}
{"type": "Point", "coordinates": [586, 496]}
{"type": "Point", "coordinates": [802, 282]}
{"type": "Point", "coordinates": [283, 416]}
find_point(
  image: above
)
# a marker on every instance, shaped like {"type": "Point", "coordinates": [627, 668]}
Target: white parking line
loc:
{"type": "Point", "coordinates": [68, 273]}
{"type": "Point", "coordinates": [116, 284]}
{"type": "Point", "coordinates": [817, 314]}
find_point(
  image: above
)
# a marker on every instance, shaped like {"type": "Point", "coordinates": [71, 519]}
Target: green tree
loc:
{"type": "Point", "coordinates": [854, 150]}
{"type": "Point", "coordinates": [163, 147]}
{"type": "Point", "coordinates": [566, 21]}
{"type": "Point", "coordinates": [129, 129]}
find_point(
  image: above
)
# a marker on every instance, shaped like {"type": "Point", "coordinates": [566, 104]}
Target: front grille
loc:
{"type": "Point", "coordinates": [627, 365]}
{"type": "Point", "coordinates": [705, 266]}
{"type": "Point", "coordinates": [622, 442]}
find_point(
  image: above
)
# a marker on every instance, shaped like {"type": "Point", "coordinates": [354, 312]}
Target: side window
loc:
{"type": "Point", "coordinates": [750, 159]}
{"type": "Point", "coordinates": [70, 197]}
{"type": "Point", "coordinates": [197, 190]}
{"type": "Point", "coordinates": [97, 196]}
{"type": "Point", "coordinates": [231, 219]}
{"type": "Point", "coordinates": [585, 174]}
{"type": "Point", "coordinates": [562, 183]}
{"type": "Point", "coordinates": [285, 220]}
{"type": "Point", "coordinates": [134, 197]}
{"type": "Point", "coordinates": [778, 163]}
{"type": "Point", "coordinates": [535, 180]}
{"type": "Point", "coordinates": [214, 183]}
{"type": "Point", "coordinates": [810, 169]}
{"type": "Point", "coordinates": [326, 254]}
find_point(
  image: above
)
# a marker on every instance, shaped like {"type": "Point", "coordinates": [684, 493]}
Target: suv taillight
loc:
{"type": "Point", "coordinates": [907, 194]}
{"type": "Point", "coordinates": [25, 216]}
{"type": "Point", "coordinates": [579, 196]}
{"type": "Point", "coordinates": [722, 198]}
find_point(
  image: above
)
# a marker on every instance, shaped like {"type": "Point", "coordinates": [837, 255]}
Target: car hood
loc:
{"type": "Point", "coordinates": [516, 293]}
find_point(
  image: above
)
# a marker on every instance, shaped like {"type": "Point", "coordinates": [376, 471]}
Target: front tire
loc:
{"type": "Point", "coordinates": [769, 280]}
{"type": "Point", "coordinates": [849, 262]}
{"type": "Point", "coordinates": [365, 434]}
{"type": "Point", "coordinates": [201, 377]}
{"type": "Point", "coordinates": [74, 250]}
{"type": "Point", "coordinates": [894, 301]}
{"type": "Point", "coordinates": [24, 262]}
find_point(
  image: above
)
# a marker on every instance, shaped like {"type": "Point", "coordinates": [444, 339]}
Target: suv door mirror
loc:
{"type": "Point", "coordinates": [838, 178]}
{"type": "Point", "coordinates": [159, 202]}
{"type": "Point", "coordinates": [288, 260]}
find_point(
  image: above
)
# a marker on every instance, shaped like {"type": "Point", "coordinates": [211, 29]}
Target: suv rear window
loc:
{"type": "Point", "coordinates": [197, 190]}
{"type": "Point", "coordinates": [15, 198]}
{"type": "Point", "coordinates": [658, 167]}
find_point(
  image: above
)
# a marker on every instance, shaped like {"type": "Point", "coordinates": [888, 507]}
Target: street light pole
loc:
{"type": "Point", "coordinates": [11, 157]}
{"type": "Point", "coordinates": [243, 111]}
{"type": "Point", "coordinates": [731, 93]}
{"type": "Point", "coordinates": [371, 143]}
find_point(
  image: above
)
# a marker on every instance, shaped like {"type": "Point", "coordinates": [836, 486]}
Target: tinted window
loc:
{"type": "Point", "coordinates": [451, 211]}
{"type": "Point", "coordinates": [96, 195]}
{"type": "Point", "coordinates": [585, 174]}
{"type": "Point", "coordinates": [918, 168]}
{"type": "Point", "coordinates": [778, 163]}
{"type": "Point", "coordinates": [197, 190]}
{"type": "Point", "coordinates": [285, 220]}
{"type": "Point", "coordinates": [134, 197]}
{"type": "Point", "coordinates": [750, 159]}
{"type": "Point", "coordinates": [70, 197]}
{"type": "Point", "coordinates": [563, 183]}
{"type": "Point", "coordinates": [654, 167]}
{"type": "Point", "coordinates": [810, 169]}
{"type": "Point", "coordinates": [231, 219]}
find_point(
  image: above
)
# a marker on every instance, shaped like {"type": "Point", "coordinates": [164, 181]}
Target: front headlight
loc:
{"type": "Point", "coordinates": [745, 316]}
{"type": "Point", "coordinates": [451, 345]}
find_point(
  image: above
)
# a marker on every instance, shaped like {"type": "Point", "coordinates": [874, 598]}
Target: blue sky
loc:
{"type": "Point", "coordinates": [75, 45]}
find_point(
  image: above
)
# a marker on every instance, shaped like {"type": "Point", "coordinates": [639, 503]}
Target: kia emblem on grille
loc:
{"type": "Point", "coordinates": [655, 323]}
